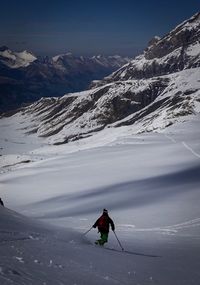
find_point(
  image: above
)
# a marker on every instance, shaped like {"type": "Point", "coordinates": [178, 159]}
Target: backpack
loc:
{"type": "Point", "coordinates": [103, 223]}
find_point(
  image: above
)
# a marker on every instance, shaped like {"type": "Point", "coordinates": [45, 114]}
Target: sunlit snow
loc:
{"type": "Point", "coordinates": [150, 185]}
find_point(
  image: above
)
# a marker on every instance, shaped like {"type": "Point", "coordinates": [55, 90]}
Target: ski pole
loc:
{"type": "Point", "coordinates": [118, 240]}
{"type": "Point", "coordinates": [87, 231]}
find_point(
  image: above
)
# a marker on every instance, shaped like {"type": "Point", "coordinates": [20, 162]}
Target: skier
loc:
{"type": "Point", "coordinates": [1, 202]}
{"type": "Point", "coordinates": [103, 224]}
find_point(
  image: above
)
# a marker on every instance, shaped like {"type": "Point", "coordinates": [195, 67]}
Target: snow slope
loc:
{"type": "Point", "coordinates": [148, 181]}
{"type": "Point", "coordinates": [150, 185]}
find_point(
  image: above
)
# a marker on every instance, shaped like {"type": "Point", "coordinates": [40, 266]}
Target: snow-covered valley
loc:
{"type": "Point", "coordinates": [130, 144]}
{"type": "Point", "coordinates": [149, 183]}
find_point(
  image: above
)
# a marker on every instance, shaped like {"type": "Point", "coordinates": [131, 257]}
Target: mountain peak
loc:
{"type": "Point", "coordinates": [151, 92]}
{"type": "Point", "coordinates": [185, 34]}
{"type": "Point", "coordinates": [14, 59]}
{"type": "Point", "coordinates": [176, 51]}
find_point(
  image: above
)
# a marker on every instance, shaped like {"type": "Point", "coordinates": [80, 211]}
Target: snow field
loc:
{"type": "Point", "coordinates": [148, 182]}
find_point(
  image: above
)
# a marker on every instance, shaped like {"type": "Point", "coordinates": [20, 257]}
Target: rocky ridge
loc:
{"type": "Point", "coordinates": [153, 91]}
{"type": "Point", "coordinates": [176, 51]}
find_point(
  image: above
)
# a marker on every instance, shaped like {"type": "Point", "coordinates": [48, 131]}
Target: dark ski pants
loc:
{"type": "Point", "coordinates": [103, 238]}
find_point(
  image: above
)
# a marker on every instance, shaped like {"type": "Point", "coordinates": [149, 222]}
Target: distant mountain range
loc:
{"type": "Point", "coordinates": [156, 89]}
{"type": "Point", "coordinates": [26, 78]}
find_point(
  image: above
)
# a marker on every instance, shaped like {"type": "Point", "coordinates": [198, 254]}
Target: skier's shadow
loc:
{"type": "Point", "coordinates": [132, 252]}
{"type": "Point", "coordinates": [86, 241]}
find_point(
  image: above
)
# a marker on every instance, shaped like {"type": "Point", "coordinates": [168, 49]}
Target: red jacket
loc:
{"type": "Point", "coordinates": [103, 223]}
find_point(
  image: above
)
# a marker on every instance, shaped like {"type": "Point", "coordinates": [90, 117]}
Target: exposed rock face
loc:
{"type": "Point", "coordinates": [153, 103]}
{"type": "Point", "coordinates": [186, 34]}
{"type": "Point", "coordinates": [25, 78]}
{"type": "Point", "coordinates": [178, 50]}
{"type": "Point", "coordinates": [153, 91]}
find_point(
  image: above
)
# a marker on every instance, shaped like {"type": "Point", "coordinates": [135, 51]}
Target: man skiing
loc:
{"type": "Point", "coordinates": [103, 224]}
{"type": "Point", "coordinates": [1, 202]}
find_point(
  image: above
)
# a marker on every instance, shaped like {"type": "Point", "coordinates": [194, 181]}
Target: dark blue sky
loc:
{"type": "Point", "coordinates": [89, 27]}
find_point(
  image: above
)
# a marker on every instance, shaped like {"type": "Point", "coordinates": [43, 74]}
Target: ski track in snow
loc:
{"type": "Point", "coordinates": [173, 228]}
{"type": "Point", "coordinates": [167, 227]}
{"type": "Point", "coordinates": [184, 144]}
{"type": "Point", "coordinates": [190, 149]}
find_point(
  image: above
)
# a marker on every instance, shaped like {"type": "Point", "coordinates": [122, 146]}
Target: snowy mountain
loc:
{"type": "Point", "coordinates": [149, 182]}
{"type": "Point", "coordinates": [153, 91]}
{"type": "Point", "coordinates": [176, 51]}
{"type": "Point", "coordinates": [16, 59]}
{"type": "Point", "coordinates": [68, 62]}
{"type": "Point", "coordinates": [25, 78]}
